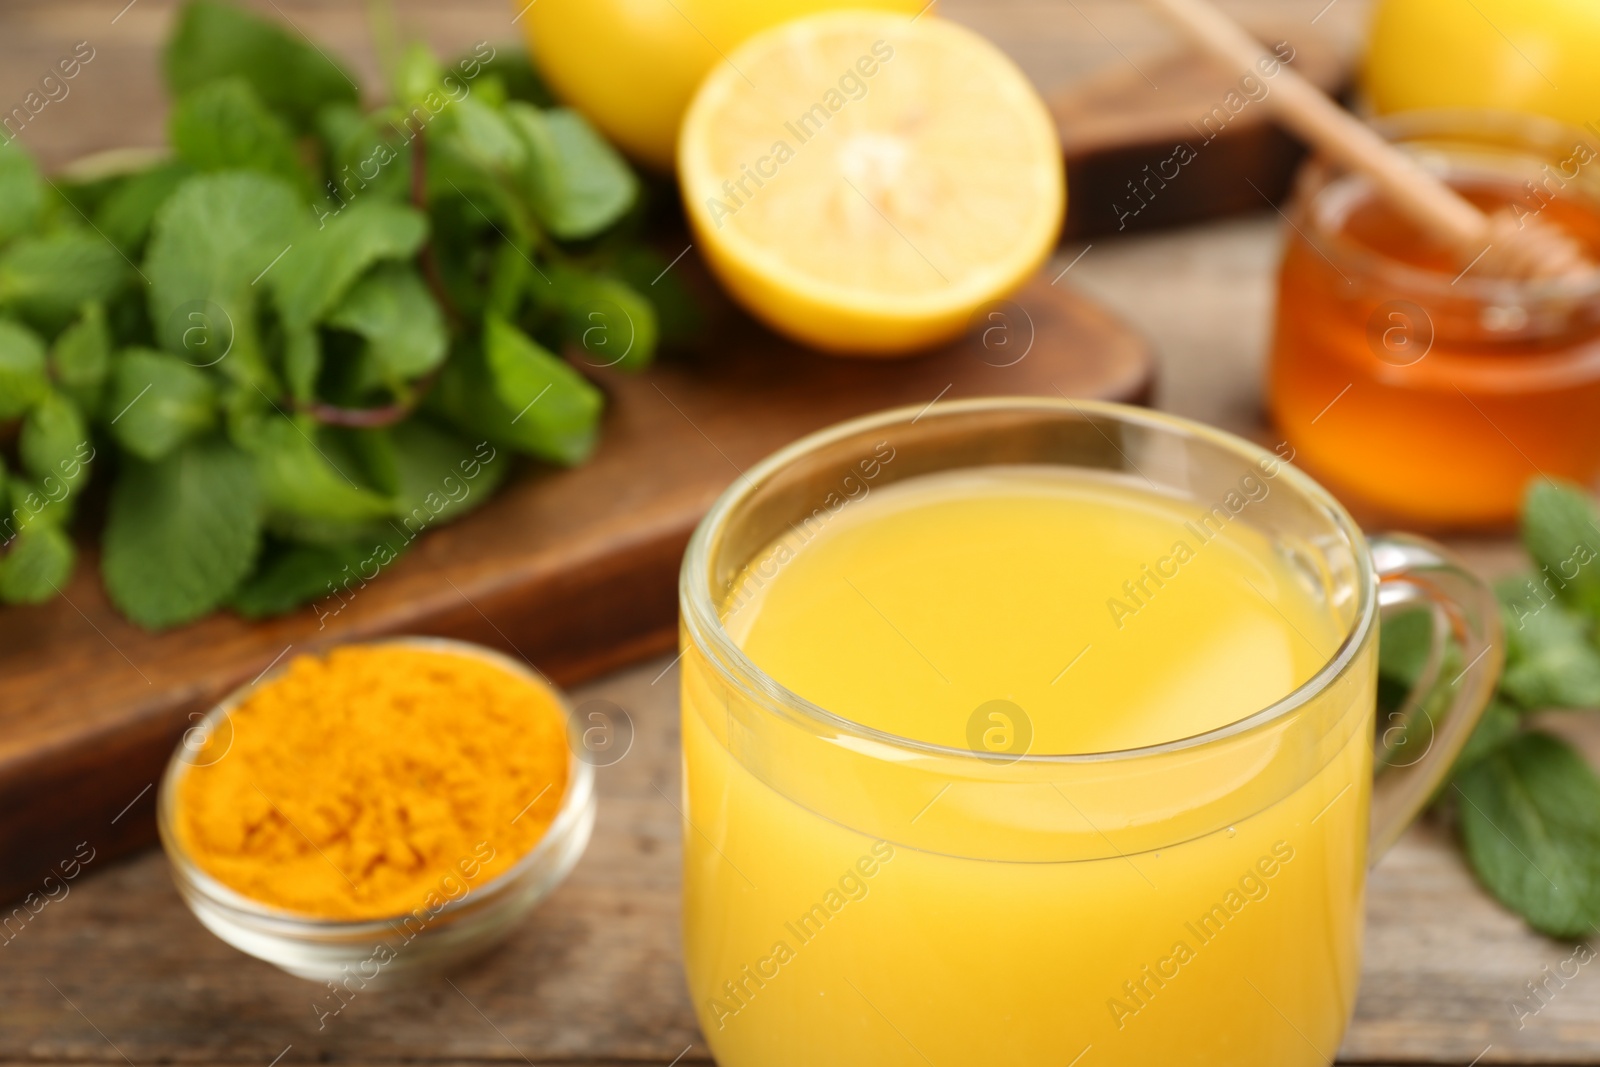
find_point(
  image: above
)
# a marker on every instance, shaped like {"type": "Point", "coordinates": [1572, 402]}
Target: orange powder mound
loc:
{"type": "Point", "coordinates": [353, 785]}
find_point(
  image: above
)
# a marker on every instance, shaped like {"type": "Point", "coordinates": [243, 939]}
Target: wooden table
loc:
{"type": "Point", "coordinates": [118, 971]}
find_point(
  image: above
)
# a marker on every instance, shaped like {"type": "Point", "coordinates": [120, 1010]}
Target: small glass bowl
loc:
{"type": "Point", "coordinates": [402, 948]}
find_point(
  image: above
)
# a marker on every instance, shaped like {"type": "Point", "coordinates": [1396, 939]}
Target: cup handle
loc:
{"type": "Point", "coordinates": [1417, 744]}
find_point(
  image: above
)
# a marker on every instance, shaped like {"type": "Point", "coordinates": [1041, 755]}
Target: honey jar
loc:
{"type": "Point", "coordinates": [1420, 391]}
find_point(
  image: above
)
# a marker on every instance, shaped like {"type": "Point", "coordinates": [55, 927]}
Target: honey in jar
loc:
{"type": "Point", "coordinates": [1419, 391]}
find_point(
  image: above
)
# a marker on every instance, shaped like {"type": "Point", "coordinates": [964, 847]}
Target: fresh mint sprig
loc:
{"type": "Point", "coordinates": [1526, 802]}
{"type": "Point", "coordinates": [312, 331]}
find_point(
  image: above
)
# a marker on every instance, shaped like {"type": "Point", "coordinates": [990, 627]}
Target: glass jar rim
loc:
{"type": "Point", "coordinates": [703, 620]}
{"type": "Point", "coordinates": [1533, 132]}
{"type": "Point", "coordinates": [580, 786]}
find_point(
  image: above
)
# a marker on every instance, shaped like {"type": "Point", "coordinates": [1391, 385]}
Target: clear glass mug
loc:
{"type": "Point", "coordinates": [856, 898]}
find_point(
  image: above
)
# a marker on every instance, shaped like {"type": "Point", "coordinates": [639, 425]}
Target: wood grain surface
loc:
{"type": "Point", "coordinates": [1176, 138]}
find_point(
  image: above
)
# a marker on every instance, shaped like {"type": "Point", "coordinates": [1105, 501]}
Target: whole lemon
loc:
{"type": "Point", "coordinates": [1536, 56]}
{"type": "Point", "coordinates": [632, 65]}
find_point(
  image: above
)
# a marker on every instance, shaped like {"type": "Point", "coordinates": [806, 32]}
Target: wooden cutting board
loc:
{"type": "Point", "coordinates": [1173, 138]}
{"type": "Point", "coordinates": [575, 570]}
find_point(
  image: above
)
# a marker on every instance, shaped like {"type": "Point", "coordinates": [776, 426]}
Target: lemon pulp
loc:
{"type": "Point", "coordinates": [864, 182]}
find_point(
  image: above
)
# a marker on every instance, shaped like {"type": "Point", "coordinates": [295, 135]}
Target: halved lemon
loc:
{"type": "Point", "coordinates": [864, 182]}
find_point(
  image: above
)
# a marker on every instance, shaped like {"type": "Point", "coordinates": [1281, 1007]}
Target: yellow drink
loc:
{"type": "Point", "coordinates": [858, 899]}
{"type": "Point", "coordinates": [1100, 610]}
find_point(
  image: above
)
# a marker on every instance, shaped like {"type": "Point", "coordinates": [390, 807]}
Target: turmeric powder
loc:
{"type": "Point", "coordinates": [354, 783]}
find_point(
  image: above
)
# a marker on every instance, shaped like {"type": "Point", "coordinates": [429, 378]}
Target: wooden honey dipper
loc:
{"type": "Point", "coordinates": [1498, 245]}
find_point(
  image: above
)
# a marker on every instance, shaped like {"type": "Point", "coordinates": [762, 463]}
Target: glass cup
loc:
{"type": "Point", "coordinates": [852, 897]}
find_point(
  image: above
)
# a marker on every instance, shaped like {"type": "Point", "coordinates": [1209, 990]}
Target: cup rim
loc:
{"type": "Point", "coordinates": [704, 622]}
{"type": "Point", "coordinates": [580, 787]}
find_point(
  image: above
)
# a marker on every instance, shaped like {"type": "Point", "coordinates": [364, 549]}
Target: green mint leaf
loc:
{"type": "Point", "coordinates": [416, 74]}
{"type": "Point", "coordinates": [1519, 597]}
{"type": "Point", "coordinates": [661, 281]}
{"type": "Point", "coordinates": [371, 155]}
{"type": "Point", "coordinates": [82, 190]}
{"type": "Point", "coordinates": [212, 240]}
{"type": "Point", "coordinates": [55, 441]}
{"type": "Point", "coordinates": [510, 275]}
{"type": "Point", "coordinates": [181, 533]}
{"type": "Point", "coordinates": [302, 475]}
{"type": "Point", "coordinates": [37, 566]}
{"type": "Point", "coordinates": [1550, 661]}
{"type": "Point", "coordinates": [466, 394]}
{"type": "Point", "coordinates": [432, 475]}
{"type": "Point", "coordinates": [22, 369]}
{"type": "Point", "coordinates": [223, 125]}
{"type": "Point", "coordinates": [315, 530]}
{"type": "Point", "coordinates": [337, 123]}
{"type": "Point", "coordinates": [48, 279]}
{"type": "Point", "coordinates": [325, 262]}
{"type": "Point", "coordinates": [392, 309]}
{"type": "Point", "coordinates": [48, 503]}
{"type": "Point", "coordinates": [80, 359]}
{"type": "Point", "coordinates": [588, 185]}
{"type": "Point", "coordinates": [302, 360]}
{"type": "Point", "coordinates": [544, 407]}
{"type": "Point", "coordinates": [215, 40]}
{"type": "Point", "coordinates": [1500, 723]}
{"type": "Point", "coordinates": [291, 575]}
{"type": "Point", "coordinates": [1530, 821]}
{"type": "Point", "coordinates": [485, 138]}
{"type": "Point", "coordinates": [128, 211]}
{"type": "Point", "coordinates": [438, 477]}
{"type": "Point", "coordinates": [578, 184]}
{"type": "Point", "coordinates": [158, 402]}
{"type": "Point", "coordinates": [576, 181]}
{"type": "Point", "coordinates": [1561, 529]}
{"type": "Point", "coordinates": [21, 191]}
{"type": "Point", "coordinates": [1404, 643]}
{"type": "Point", "coordinates": [609, 321]}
